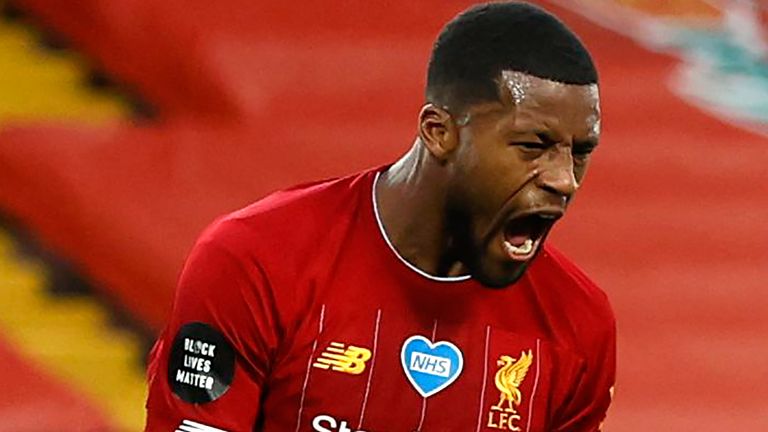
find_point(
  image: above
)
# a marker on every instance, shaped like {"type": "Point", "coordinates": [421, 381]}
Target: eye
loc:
{"type": "Point", "coordinates": [582, 151]}
{"type": "Point", "coordinates": [532, 145]}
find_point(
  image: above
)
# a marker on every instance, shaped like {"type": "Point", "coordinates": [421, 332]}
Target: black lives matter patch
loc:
{"type": "Point", "coordinates": [201, 365]}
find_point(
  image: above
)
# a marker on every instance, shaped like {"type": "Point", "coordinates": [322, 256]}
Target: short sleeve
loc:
{"type": "Point", "coordinates": [209, 366]}
{"type": "Point", "coordinates": [591, 397]}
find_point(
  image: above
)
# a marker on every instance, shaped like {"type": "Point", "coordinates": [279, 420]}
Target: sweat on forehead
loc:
{"type": "Point", "coordinates": [517, 83]}
{"type": "Point", "coordinates": [515, 87]}
{"type": "Point", "coordinates": [475, 47]}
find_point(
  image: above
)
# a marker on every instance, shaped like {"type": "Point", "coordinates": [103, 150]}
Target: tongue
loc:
{"type": "Point", "coordinates": [521, 230]}
{"type": "Point", "coordinates": [516, 240]}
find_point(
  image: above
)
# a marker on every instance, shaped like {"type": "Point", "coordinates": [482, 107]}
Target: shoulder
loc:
{"type": "Point", "coordinates": [573, 299]}
{"type": "Point", "coordinates": [294, 216]}
{"type": "Point", "coordinates": [261, 253]}
{"type": "Point", "coordinates": [572, 281]}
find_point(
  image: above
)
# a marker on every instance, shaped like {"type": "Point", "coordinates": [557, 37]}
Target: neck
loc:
{"type": "Point", "coordinates": [412, 202]}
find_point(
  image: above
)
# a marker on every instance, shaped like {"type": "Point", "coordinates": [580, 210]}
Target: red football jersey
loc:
{"type": "Point", "coordinates": [297, 314]}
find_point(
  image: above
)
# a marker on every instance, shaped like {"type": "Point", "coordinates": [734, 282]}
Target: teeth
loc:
{"type": "Point", "coordinates": [523, 249]}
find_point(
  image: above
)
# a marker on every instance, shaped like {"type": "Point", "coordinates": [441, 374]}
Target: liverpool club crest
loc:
{"type": "Point", "coordinates": [508, 380]}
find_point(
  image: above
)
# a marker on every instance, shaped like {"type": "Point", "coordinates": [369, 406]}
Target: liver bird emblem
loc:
{"type": "Point", "coordinates": [508, 380]}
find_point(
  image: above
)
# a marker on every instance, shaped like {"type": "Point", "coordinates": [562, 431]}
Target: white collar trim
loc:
{"type": "Point", "coordinates": [397, 254]}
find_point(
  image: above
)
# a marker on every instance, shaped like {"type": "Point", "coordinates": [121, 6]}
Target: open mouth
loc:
{"type": "Point", "coordinates": [523, 235]}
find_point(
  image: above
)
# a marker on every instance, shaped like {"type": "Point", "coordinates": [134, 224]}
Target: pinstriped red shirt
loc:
{"type": "Point", "coordinates": [296, 314]}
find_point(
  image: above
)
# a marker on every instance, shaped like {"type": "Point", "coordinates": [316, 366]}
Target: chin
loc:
{"type": "Point", "coordinates": [501, 277]}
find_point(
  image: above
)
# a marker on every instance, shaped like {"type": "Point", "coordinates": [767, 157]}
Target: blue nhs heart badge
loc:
{"type": "Point", "coordinates": [430, 367]}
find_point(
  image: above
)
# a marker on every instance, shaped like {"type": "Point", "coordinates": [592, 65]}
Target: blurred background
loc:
{"type": "Point", "coordinates": [127, 125]}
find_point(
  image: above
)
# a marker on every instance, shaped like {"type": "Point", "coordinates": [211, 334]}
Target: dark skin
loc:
{"type": "Point", "coordinates": [470, 181]}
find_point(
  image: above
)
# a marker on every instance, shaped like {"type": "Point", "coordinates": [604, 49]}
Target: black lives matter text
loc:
{"type": "Point", "coordinates": [196, 366]}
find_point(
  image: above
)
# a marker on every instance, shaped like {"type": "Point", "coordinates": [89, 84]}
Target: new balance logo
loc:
{"type": "Point", "coordinates": [350, 360]}
{"type": "Point", "coordinates": [190, 426]}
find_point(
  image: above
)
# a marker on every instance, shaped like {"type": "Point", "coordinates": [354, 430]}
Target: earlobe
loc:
{"type": "Point", "coordinates": [438, 131]}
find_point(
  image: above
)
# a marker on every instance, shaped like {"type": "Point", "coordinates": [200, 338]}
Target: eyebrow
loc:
{"type": "Point", "coordinates": [548, 138]}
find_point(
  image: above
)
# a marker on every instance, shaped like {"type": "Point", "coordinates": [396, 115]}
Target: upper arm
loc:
{"type": "Point", "coordinates": [592, 395]}
{"type": "Point", "coordinates": [210, 364]}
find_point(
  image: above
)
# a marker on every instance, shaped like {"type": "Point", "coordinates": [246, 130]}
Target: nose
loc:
{"type": "Point", "coordinates": [556, 173]}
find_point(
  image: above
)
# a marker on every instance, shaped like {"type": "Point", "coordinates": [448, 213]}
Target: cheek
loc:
{"type": "Point", "coordinates": [580, 170]}
{"type": "Point", "coordinates": [481, 181]}
{"type": "Point", "coordinates": [474, 164]}
{"type": "Point", "coordinates": [489, 172]}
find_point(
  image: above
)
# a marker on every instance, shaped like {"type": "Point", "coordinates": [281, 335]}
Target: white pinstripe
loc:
{"type": "Point", "coordinates": [423, 399]}
{"type": "Point", "coordinates": [535, 384]}
{"type": "Point", "coordinates": [370, 371]}
{"type": "Point", "coordinates": [309, 368]}
{"type": "Point", "coordinates": [485, 377]}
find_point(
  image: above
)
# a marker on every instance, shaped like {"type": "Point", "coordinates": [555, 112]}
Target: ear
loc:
{"type": "Point", "coordinates": [438, 131]}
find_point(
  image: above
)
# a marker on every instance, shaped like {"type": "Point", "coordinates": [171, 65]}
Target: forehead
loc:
{"type": "Point", "coordinates": [570, 109]}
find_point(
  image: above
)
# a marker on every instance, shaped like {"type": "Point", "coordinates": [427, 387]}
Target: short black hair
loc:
{"type": "Point", "coordinates": [475, 47]}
